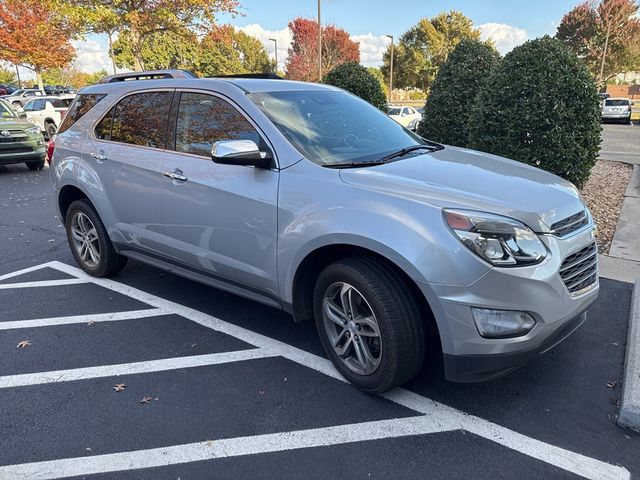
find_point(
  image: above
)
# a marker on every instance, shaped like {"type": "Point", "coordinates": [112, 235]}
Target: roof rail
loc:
{"type": "Point", "coordinates": [265, 76]}
{"type": "Point", "coordinates": [147, 75]}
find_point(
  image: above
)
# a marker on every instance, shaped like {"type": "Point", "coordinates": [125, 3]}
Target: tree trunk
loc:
{"type": "Point", "coordinates": [113, 58]}
{"type": "Point", "coordinates": [136, 49]}
{"type": "Point", "coordinates": [38, 71]}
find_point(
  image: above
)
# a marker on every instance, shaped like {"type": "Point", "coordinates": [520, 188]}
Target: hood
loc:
{"type": "Point", "coordinates": [13, 123]}
{"type": "Point", "coordinates": [460, 178]}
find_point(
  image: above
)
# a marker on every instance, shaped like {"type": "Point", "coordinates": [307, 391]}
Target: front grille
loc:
{"type": "Point", "coordinates": [580, 269]}
{"type": "Point", "coordinates": [4, 151]}
{"type": "Point", "coordinates": [570, 224]}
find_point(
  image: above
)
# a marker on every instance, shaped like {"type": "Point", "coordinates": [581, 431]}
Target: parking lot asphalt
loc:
{"type": "Point", "coordinates": [621, 143]}
{"type": "Point", "coordinates": [237, 390]}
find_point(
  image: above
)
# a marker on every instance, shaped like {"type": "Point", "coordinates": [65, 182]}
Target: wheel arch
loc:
{"type": "Point", "coordinates": [316, 260]}
{"type": "Point", "coordinates": [69, 194]}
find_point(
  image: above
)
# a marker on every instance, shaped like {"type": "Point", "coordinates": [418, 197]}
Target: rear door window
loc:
{"type": "Point", "coordinates": [205, 119]}
{"type": "Point", "coordinates": [79, 107]}
{"type": "Point", "coordinates": [61, 102]}
{"type": "Point", "coordinates": [138, 119]}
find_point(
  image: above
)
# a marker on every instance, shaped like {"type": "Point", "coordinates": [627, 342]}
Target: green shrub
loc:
{"type": "Point", "coordinates": [540, 107]}
{"type": "Point", "coordinates": [448, 108]}
{"type": "Point", "coordinates": [356, 79]}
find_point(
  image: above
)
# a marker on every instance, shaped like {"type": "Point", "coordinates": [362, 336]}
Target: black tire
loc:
{"type": "Point", "coordinates": [35, 165]}
{"type": "Point", "coordinates": [396, 311]}
{"type": "Point", "coordinates": [50, 130]}
{"type": "Point", "coordinates": [110, 262]}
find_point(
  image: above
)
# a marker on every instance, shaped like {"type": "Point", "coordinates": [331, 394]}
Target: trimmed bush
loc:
{"type": "Point", "coordinates": [540, 107]}
{"type": "Point", "coordinates": [454, 90]}
{"type": "Point", "coordinates": [356, 79]}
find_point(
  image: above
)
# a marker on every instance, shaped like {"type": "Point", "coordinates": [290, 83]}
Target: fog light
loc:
{"type": "Point", "coordinates": [502, 323]}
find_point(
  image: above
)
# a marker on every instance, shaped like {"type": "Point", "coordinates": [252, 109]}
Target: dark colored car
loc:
{"type": "Point", "coordinates": [7, 89]}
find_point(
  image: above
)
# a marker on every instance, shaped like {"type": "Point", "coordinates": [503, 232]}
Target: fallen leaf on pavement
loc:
{"type": "Point", "coordinates": [24, 344]}
{"type": "Point", "coordinates": [91, 322]}
{"type": "Point", "coordinates": [611, 384]}
{"type": "Point", "coordinates": [261, 392]}
{"type": "Point", "coordinates": [119, 387]}
{"type": "Point", "coordinates": [145, 400]}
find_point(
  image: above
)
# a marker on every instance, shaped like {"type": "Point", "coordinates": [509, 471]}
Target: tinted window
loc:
{"type": "Point", "coordinates": [61, 102]}
{"type": "Point", "coordinates": [205, 119]}
{"type": "Point", "coordinates": [79, 107]}
{"type": "Point", "coordinates": [28, 107]}
{"type": "Point", "coordinates": [141, 119]}
{"type": "Point", "coordinates": [5, 110]}
{"type": "Point", "coordinates": [617, 103]}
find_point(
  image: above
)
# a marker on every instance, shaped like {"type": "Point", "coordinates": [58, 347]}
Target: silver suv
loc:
{"type": "Point", "coordinates": [308, 199]}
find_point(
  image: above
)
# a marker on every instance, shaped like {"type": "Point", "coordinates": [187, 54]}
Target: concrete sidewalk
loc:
{"type": "Point", "coordinates": [626, 240]}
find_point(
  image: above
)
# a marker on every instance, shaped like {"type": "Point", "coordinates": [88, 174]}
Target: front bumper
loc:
{"type": "Point", "coordinates": [538, 290]}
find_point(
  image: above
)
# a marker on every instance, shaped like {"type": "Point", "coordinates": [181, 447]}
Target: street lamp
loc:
{"type": "Point", "coordinates": [391, 70]}
{"type": "Point", "coordinates": [275, 43]}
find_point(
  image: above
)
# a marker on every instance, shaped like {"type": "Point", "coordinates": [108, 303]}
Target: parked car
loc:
{"type": "Point", "coordinates": [47, 112]}
{"type": "Point", "coordinates": [617, 109]}
{"type": "Point", "coordinates": [7, 89]}
{"type": "Point", "coordinates": [306, 198]}
{"type": "Point", "coordinates": [20, 97]}
{"type": "Point", "coordinates": [20, 141]}
{"type": "Point", "coordinates": [404, 115]}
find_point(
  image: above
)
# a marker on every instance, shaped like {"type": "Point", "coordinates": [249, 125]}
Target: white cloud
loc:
{"type": "Point", "coordinates": [506, 37]}
{"type": "Point", "coordinates": [283, 38]}
{"type": "Point", "coordinates": [372, 48]}
{"type": "Point", "coordinates": [91, 56]}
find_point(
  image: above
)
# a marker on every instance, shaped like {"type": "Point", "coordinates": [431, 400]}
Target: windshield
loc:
{"type": "Point", "coordinates": [6, 111]}
{"type": "Point", "coordinates": [617, 103]}
{"type": "Point", "coordinates": [332, 127]}
{"type": "Point", "coordinates": [394, 111]}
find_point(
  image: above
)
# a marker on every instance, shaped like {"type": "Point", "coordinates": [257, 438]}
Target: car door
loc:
{"type": "Point", "coordinates": [220, 219]}
{"type": "Point", "coordinates": [35, 111]}
{"type": "Point", "coordinates": [125, 150]}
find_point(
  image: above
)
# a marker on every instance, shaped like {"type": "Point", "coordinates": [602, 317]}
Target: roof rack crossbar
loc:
{"type": "Point", "coordinates": [264, 76]}
{"type": "Point", "coordinates": [147, 75]}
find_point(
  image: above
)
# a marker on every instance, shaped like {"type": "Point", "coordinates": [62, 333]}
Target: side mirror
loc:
{"type": "Point", "coordinates": [240, 152]}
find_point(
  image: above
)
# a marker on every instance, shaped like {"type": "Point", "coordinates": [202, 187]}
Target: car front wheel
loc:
{"type": "Point", "coordinates": [369, 324]}
{"type": "Point", "coordinates": [90, 244]}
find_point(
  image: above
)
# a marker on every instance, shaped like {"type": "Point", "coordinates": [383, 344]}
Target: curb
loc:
{"type": "Point", "coordinates": [630, 407]}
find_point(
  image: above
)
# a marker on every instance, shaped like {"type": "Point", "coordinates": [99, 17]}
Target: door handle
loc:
{"type": "Point", "coordinates": [176, 175]}
{"type": "Point", "coordinates": [99, 157]}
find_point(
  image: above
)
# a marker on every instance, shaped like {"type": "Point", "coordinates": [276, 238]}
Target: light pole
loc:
{"type": "Point", "coordinates": [275, 43]}
{"type": "Point", "coordinates": [391, 70]}
{"type": "Point", "coordinates": [604, 52]}
{"type": "Point", "coordinates": [319, 45]}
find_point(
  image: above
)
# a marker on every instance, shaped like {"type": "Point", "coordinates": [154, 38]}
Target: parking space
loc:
{"type": "Point", "coordinates": [621, 143]}
{"type": "Point", "coordinates": [213, 383]}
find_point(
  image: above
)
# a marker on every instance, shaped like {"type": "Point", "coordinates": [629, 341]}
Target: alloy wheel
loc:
{"type": "Point", "coordinates": [352, 328]}
{"type": "Point", "coordinates": [85, 239]}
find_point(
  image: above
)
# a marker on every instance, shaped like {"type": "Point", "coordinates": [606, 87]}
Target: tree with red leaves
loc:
{"type": "Point", "coordinates": [337, 48]}
{"type": "Point", "coordinates": [33, 36]}
{"type": "Point", "coordinates": [609, 29]}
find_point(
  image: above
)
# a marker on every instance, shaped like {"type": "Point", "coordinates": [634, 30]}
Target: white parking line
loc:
{"type": "Point", "coordinates": [93, 317]}
{"type": "Point", "coordinates": [121, 369]}
{"type": "Point", "coordinates": [17, 273]}
{"type": "Point", "coordinates": [440, 414]}
{"type": "Point", "coordinates": [231, 447]}
{"type": "Point", "coordinates": [42, 283]}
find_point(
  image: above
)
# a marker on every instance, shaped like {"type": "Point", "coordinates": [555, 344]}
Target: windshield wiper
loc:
{"type": "Point", "coordinates": [432, 147]}
{"type": "Point", "coordinates": [355, 164]}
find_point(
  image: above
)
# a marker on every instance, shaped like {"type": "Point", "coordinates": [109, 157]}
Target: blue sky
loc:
{"type": "Point", "coordinates": [508, 23]}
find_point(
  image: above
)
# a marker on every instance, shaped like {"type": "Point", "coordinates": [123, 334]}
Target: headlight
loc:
{"type": "Point", "coordinates": [501, 241]}
{"type": "Point", "coordinates": [32, 130]}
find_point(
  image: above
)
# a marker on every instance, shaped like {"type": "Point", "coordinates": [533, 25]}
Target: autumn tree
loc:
{"type": "Point", "coordinates": [140, 19]}
{"type": "Point", "coordinates": [226, 51]}
{"type": "Point", "coordinates": [8, 75]}
{"type": "Point", "coordinates": [423, 48]}
{"type": "Point", "coordinates": [337, 48]}
{"type": "Point", "coordinates": [159, 50]}
{"type": "Point", "coordinates": [32, 35]}
{"type": "Point", "coordinates": [609, 29]}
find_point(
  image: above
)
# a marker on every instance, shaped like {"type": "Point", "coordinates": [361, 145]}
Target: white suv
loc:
{"type": "Point", "coordinates": [48, 112]}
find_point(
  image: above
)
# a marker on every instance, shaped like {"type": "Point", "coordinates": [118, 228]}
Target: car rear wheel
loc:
{"type": "Point", "coordinates": [369, 324]}
{"type": "Point", "coordinates": [89, 241]}
{"type": "Point", "coordinates": [36, 165]}
{"type": "Point", "coordinates": [50, 130]}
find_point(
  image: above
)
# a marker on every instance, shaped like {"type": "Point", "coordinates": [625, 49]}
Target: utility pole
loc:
{"type": "Point", "coordinates": [275, 43]}
{"type": "Point", "coordinates": [604, 52]}
{"type": "Point", "coordinates": [391, 71]}
{"type": "Point", "coordinates": [319, 45]}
